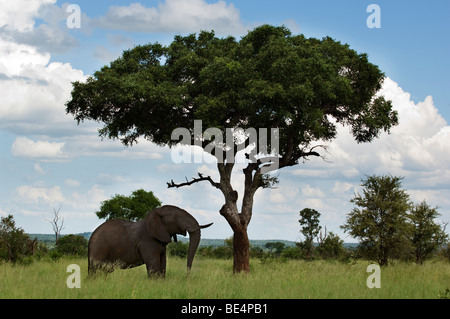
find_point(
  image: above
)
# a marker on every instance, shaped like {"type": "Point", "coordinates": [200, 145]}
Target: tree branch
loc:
{"type": "Point", "coordinates": [286, 161]}
{"type": "Point", "coordinates": [194, 180]}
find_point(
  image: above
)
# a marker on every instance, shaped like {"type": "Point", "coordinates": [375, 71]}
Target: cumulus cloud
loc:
{"type": "Point", "coordinates": [18, 23]}
{"type": "Point", "coordinates": [38, 169]}
{"type": "Point", "coordinates": [24, 15]}
{"type": "Point", "coordinates": [418, 144]}
{"type": "Point", "coordinates": [174, 16]}
{"type": "Point", "coordinates": [39, 195]}
{"type": "Point", "coordinates": [72, 183]}
{"type": "Point", "coordinates": [34, 91]}
{"type": "Point", "coordinates": [421, 119]}
{"type": "Point", "coordinates": [89, 201]}
{"type": "Point", "coordinates": [24, 147]}
{"type": "Point", "coordinates": [309, 191]}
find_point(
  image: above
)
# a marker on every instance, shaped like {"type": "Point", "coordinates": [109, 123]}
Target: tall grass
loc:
{"type": "Point", "coordinates": [212, 279]}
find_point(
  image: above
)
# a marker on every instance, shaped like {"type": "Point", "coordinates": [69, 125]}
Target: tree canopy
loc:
{"type": "Point", "coordinates": [268, 79]}
{"type": "Point", "coordinates": [426, 235]}
{"type": "Point", "coordinates": [133, 207]}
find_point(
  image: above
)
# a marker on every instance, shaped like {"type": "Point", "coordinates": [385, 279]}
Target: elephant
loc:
{"type": "Point", "coordinates": [125, 244]}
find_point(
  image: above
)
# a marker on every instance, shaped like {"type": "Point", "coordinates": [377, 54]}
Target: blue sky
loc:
{"type": "Point", "coordinates": [47, 161]}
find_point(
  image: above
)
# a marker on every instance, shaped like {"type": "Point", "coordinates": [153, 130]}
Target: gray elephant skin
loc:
{"type": "Point", "coordinates": [125, 244]}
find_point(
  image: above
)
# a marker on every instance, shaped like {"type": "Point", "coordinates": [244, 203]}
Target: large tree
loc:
{"type": "Point", "coordinates": [270, 78]}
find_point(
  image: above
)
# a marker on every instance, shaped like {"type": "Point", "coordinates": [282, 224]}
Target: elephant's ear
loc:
{"type": "Point", "coordinates": [156, 228]}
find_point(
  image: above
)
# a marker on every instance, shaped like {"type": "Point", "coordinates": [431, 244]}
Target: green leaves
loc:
{"type": "Point", "coordinates": [380, 221]}
{"type": "Point", "coordinates": [135, 207]}
{"type": "Point", "coordinates": [426, 236]}
{"type": "Point", "coordinates": [388, 225]}
{"type": "Point", "coordinates": [268, 79]}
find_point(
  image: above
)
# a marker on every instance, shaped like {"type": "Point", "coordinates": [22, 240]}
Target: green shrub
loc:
{"type": "Point", "coordinates": [72, 245]}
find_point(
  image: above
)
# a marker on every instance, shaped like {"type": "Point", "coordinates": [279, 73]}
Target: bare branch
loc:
{"type": "Point", "coordinates": [311, 152]}
{"type": "Point", "coordinates": [56, 225]}
{"type": "Point", "coordinates": [194, 180]}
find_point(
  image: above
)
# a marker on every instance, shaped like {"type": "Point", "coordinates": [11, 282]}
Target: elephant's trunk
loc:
{"type": "Point", "coordinates": [194, 240]}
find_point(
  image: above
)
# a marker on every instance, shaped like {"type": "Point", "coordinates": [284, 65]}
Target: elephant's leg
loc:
{"type": "Point", "coordinates": [154, 267]}
{"type": "Point", "coordinates": [163, 262]}
{"type": "Point", "coordinates": [151, 255]}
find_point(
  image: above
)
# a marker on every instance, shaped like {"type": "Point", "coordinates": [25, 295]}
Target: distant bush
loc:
{"type": "Point", "coordinates": [178, 249]}
{"type": "Point", "coordinates": [444, 253]}
{"type": "Point", "coordinates": [332, 247]}
{"type": "Point", "coordinates": [72, 245]}
{"type": "Point", "coordinates": [292, 253]}
{"type": "Point", "coordinates": [222, 252]}
{"type": "Point", "coordinates": [256, 252]}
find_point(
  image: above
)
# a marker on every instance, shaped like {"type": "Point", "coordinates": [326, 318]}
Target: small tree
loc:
{"type": "Point", "coordinates": [426, 236]}
{"type": "Point", "coordinates": [14, 243]}
{"type": "Point", "coordinates": [330, 246]}
{"type": "Point", "coordinates": [380, 221]}
{"type": "Point", "coordinates": [57, 223]}
{"type": "Point", "coordinates": [134, 207]}
{"type": "Point", "coordinates": [310, 228]}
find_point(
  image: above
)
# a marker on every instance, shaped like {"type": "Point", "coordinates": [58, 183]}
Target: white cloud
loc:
{"type": "Point", "coordinates": [342, 187]}
{"type": "Point", "coordinates": [174, 16]}
{"type": "Point", "coordinates": [18, 24]}
{"type": "Point", "coordinates": [39, 195]}
{"type": "Point", "coordinates": [422, 119]}
{"type": "Point", "coordinates": [89, 201]}
{"type": "Point", "coordinates": [418, 143]}
{"type": "Point", "coordinates": [277, 197]}
{"type": "Point", "coordinates": [282, 193]}
{"type": "Point", "coordinates": [34, 91]}
{"type": "Point", "coordinates": [3, 213]}
{"type": "Point", "coordinates": [311, 173]}
{"type": "Point", "coordinates": [309, 191]}
{"type": "Point", "coordinates": [38, 169]}
{"type": "Point", "coordinates": [24, 15]}
{"type": "Point", "coordinates": [72, 183]}
{"type": "Point", "coordinates": [24, 147]}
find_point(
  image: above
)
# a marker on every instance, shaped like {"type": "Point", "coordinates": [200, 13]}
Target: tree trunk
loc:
{"type": "Point", "coordinates": [241, 244]}
{"type": "Point", "coordinates": [241, 251]}
{"type": "Point", "coordinates": [238, 221]}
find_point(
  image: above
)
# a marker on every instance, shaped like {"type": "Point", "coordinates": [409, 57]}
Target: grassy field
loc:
{"type": "Point", "coordinates": [214, 279]}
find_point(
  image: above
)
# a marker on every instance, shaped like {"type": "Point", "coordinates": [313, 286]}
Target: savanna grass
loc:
{"type": "Point", "coordinates": [213, 279]}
